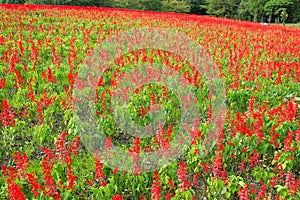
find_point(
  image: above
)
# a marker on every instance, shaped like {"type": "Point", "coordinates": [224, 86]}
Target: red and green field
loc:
{"type": "Point", "coordinates": [256, 155]}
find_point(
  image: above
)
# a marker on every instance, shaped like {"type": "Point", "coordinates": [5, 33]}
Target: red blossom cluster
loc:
{"type": "Point", "coordinates": [182, 176]}
{"type": "Point", "coordinates": [60, 155]}
{"type": "Point", "coordinates": [243, 52]}
{"type": "Point", "coordinates": [7, 115]}
{"type": "Point", "coordinates": [156, 187]}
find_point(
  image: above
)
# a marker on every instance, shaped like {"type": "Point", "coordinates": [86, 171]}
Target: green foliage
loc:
{"type": "Point", "coordinates": [294, 15]}
{"type": "Point", "coordinates": [70, 2]}
{"type": "Point", "coordinates": [196, 6]}
{"type": "Point", "coordinates": [215, 7]}
{"type": "Point", "coordinates": [284, 15]}
{"type": "Point", "coordinates": [179, 6]}
{"type": "Point", "coordinates": [251, 10]}
{"type": "Point", "coordinates": [12, 1]}
{"type": "Point", "coordinates": [276, 7]}
{"type": "Point", "coordinates": [222, 8]}
{"type": "Point", "coordinates": [154, 5]}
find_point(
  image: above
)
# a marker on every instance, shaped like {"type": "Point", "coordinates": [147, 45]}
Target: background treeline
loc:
{"type": "Point", "coordinates": [253, 10]}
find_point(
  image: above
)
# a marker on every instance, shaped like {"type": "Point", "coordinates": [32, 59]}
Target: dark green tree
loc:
{"type": "Point", "coordinates": [179, 6]}
{"type": "Point", "coordinates": [104, 3]}
{"type": "Point", "coordinates": [197, 7]}
{"type": "Point", "coordinates": [154, 5]}
{"type": "Point", "coordinates": [244, 10]}
{"type": "Point", "coordinates": [252, 10]}
{"type": "Point", "coordinates": [276, 7]}
{"type": "Point", "coordinates": [294, 15]}
{"type": "Point", "coordinates": [222, 8]}
{"type": "Point", "coordinates": [216, 8]}
{"type": "Point", "coordinates": [12, 1]}
{"type": "Point", "coordinates": [125, 4]}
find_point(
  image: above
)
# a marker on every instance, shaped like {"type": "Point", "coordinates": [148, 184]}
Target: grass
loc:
{"type": "Point", "coordinates": [297, 25]}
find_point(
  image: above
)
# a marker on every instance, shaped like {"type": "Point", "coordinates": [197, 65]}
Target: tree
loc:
{"type": "Point", "coordinates": [179, 6]}
{"type": "Point", "coordinates": [12, 1]}
{"type": "Point", "coordinates": [215, 7]}
{"type": "Point", "coordinates": [276, 7]}
{"type": "Point", "coordinates": [222, 8]}
{"type": "Point", "coordinates": [284, 15]}
{"type": "Point", "coordinates": [154, 5]}
{"type": "Point", "coordinates": [252, 10]}
{"type": "Point", "coordinates": [120, 3]}
{"type": "Point", "coordinates": [244, 10]}
{"type": "Point", "coordinates": [103, 3]}
{"type": "Point", "coordinates": [294, 15]}
{"type": "Point", "coordinates": [197, 7]}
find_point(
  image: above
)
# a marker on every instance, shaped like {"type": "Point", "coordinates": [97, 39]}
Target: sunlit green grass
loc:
{"type": "Point", "coordinates": [294, 25]}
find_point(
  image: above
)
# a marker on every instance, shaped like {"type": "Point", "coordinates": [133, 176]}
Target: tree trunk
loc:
{"type": "Point", "coordinates": [255, 14]}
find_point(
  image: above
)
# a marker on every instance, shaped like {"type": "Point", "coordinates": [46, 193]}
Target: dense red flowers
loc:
{"type": "Point", "coordinates": [252, 152]}
{"type": "Point", "coordinates": [7, 115]}
{"type": "Point", "coordinates": [156, 188]}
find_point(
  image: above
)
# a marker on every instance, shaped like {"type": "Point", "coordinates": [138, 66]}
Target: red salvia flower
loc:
{"type": "Point", "coordinates": [182, 177]}
{"type": "Point", "coordinates": [71, 177]}
{"type": "Point", "coordinates": [262, 194]}
{"type": "Point", "coordinates": [244, 194]}
{"type": "Point", "coordinates": [47, 166]}
{"type": "Point", "coordinates": [156, 187]}
{"type": "Point", "coordinates": [2, 83]}
{"type": "Point", "coordinates": [7, 115]}
{"type": "Point", "coordinates": [205, 167]}
{"type": "Point", "coordinates": [253, 160]}
{"type": "Point", "coordinates": [61, 151]}
{"type": "Point", "coordinates": [22, 163]}
{"type": "Point", "coordinates": [14, 191]}
{"type": "Point", "coordinates": [142, 197]}
{"type": "Point", "coordinates": [169, 196]}
{"type": "Point", "coordinates": [171, 184]}
{"type": "Point", "coordinates": [273, 181]}
{"type": "Point", "coordinates": [34, 184]}
{"type": "Point", "coordinates": [98, 167]}
{"type": "Point", "coordinates": [117, 197]}
{"type": "Point", "coordinates": [89, 182]}
{"type": "Point", "coordinates": [291, 182]}
{"type": "Point", "coordinates": [135, 153]}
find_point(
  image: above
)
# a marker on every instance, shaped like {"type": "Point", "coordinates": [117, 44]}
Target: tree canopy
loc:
{"type": "Point", "coordinates": [252, 10]}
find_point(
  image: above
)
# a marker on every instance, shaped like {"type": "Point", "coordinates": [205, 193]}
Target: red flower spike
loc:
{"type": "Point", "coordinates": [14, 191]}
{"type": "Point", "coordinates": [117, 197]}
{"type": "Point", "coordinates": [142, 197]}
{"type": "Point", "coordinates": [99, 174]}
{"type": "Point", "coordinates": [156, 187]}
{"type": "Point", "coordinates": [7, 115]}
{"type": "Point", "coordinates": [171, 184]}
{"type": "Point", "coordinates": [182, 177]}
{"type": "Point", "coordinates": [169, 196]}
{"type": "Point", "coordinates": [34, 184]}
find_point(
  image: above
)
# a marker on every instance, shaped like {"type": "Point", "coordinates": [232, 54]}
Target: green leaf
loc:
{"type": "Point", "coordinates": [241, 183]}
